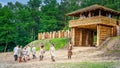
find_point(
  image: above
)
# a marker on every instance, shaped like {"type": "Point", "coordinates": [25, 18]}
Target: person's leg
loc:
{"type": "Point", "coordinates": [28, 57]}
{"type": "Point", "coordinates": [20, 59]}
{"type": "Point", "coordinates": [24, 59]}
{"type": "Point", "coordinates": [15, 58]}
{"type": "Point", "coordinates": [68, 55]}
{"type": "Point", "coordinates": [40, 57]}
{"type": "Point", "coordinates": [33, 56]}
{"type": "Point", "coordinates": [53, 59]}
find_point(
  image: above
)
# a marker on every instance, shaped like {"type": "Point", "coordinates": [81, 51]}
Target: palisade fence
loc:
{"type": "Point", "coordinates": [55, 34]}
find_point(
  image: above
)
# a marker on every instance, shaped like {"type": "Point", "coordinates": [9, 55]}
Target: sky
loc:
{"type": "Point", "coordinates": [4, 2]}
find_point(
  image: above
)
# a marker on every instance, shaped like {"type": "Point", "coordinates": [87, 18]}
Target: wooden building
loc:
{"type": "Point", "coordinates": [89, 20]}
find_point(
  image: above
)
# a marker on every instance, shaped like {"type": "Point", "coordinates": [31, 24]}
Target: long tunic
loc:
{"type": "Point", "coordinates": [52, 51]}
{"type": "Point", "coordinates": [33, 50]}
{"type": "Point", "coordinates": [28, 50]}
{"type": "Point", "coordinates": [20, 54]}
{"type": "Point", "coordinates": [70, 50]}
{"type": "Point", "coordinates": [42, 51]}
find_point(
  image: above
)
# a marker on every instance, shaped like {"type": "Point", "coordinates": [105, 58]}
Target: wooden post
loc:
{"type": "Point", "coordinates": [50, 35]}
{"type": "Point", "coordinates": [53, 34]}
{"type": "Point", "coordinates": [80, 41]}
{"type": "Point", "coordinates": [59, 35]}
{"type": "Point", "coordinates": [89, 14]}
{"type": "Point", "coordinates": [73, 36]}
{"type": "Point", "coordinates": [68, 33]}
{"type": "Point", "coordinates": [87, 37]}
{"type": "Point", "coordinates": [65, 34]}
{"type": "Point", "coordinates": [98, 35]}
{"type": "Point", "coordinates": [80, 16]}
{"type": "Point", "coordinates": [99, 12]}
{"type": "Point", "coordinates": [43, 35]}
{"type": "Point", "coordinates": [73, 17]}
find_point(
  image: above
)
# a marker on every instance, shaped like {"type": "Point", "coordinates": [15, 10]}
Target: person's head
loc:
{"type": "Point", "coordinates": [26, 46]}
{"type": "Point", "coordinates": [17, 46]}
{"type": "Point", "coordinates": [21, 46]}
{"type": "Point", "coordinates": [42, 46]}
{"type": "Point", "coordinates": [33, 47]}
{"type": "Point", "coordinates": [52, 45]}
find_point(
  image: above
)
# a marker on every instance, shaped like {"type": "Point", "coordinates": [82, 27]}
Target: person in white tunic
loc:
{"type": "Point", "coordinates": [34, 52]}
{"type": "Point", "coordinates": [52, 52]}
{"type": "Point", "coordinates": [24, 54]}
{"type": "Point", "coordinates": [28, 52]}
{"type": "Point", "coordinates": [15, 50]}
{"type": "Point", "coordinates": [20, 54]}
{"type": "Point", "coordinates": [42, 51]}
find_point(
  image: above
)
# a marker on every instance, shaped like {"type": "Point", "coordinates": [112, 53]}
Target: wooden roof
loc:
{"type": "Point", "coordinates": [93, 7]}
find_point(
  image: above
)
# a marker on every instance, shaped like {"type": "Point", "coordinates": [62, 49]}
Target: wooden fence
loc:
{"type": "Point", "coordinates": [54, 34]}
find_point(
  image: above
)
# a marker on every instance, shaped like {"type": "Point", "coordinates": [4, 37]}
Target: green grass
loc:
{"type": "Point", "coordinates": [86, 65]}
{"type": "Point", "coordinates": [58, 42]}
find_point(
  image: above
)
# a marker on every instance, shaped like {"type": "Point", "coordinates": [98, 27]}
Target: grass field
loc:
{"type": "Point", "coordinates": [87, 65]}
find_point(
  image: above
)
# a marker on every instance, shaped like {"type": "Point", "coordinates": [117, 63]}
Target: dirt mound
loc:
{"type": "Point", "coordinates": [114, 44]}
{"type": "Point", "coordinates": [111, 44]}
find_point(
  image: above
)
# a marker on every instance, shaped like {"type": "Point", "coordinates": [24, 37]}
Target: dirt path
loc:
{"type": "Point", "coordinates": [80, 54]}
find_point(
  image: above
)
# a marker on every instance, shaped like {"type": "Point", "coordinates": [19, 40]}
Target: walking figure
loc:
{"type": "Point", "coordinates": [28, 52]}
{"type": "Point", "coordinates": [34, 52]}
{"type": "Point", "coordinates": [52, 52]}
{"type": "Point", "coordinates": [24, 54]}
{"type": "Point", "coordinates": [16, 53]}
{"type": "Point", "coordinates": [20, 54]}
{"type": "Point", "coordinates": [42, 51]}
{"type": "Point", "coordinates": [69, 51]}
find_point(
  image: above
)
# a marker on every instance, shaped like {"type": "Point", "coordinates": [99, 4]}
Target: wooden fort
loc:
{"type": "Point", "coordinates": [92, 20]}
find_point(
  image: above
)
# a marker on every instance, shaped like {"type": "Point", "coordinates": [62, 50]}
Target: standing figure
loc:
{"type": "Point", "coordinates": [16, 53]}
{"type": "Point", "coordinates": [52, 52]}
{"type": "Point", "coordinates": [24, 54]}
{"type": "Point", "coordinates": [28, 52]}
{"type": "Point", "coordinates": [20, 54]}
{"type": "Point", "coordinates": [69, 51]}
{"type": "Point", "coordinates": [34, 52]}
{"type": "Point", "coordinates": [42, 51]}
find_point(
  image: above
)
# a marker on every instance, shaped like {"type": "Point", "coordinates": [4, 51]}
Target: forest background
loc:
{"type": "Point", "coordinates": [21, 23]}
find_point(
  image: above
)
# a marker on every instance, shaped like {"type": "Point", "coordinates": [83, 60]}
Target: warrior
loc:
{"type": "Point", "coordinates": [16, 53]}
{"type": "Point", "coordinates": [69, 51]}
{"type": "Point", "coordinates": [52, 52]}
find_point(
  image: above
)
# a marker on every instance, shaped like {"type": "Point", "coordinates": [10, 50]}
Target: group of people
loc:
{"type": "Point", "coordinates": [23, 54]}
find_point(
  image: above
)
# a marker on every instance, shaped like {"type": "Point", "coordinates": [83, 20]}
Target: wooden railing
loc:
{"type": "Point", "coordinates": [93, 20]}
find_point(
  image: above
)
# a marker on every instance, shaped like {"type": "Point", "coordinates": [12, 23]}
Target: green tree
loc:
{"type": "Point", "coordinates": [7, 29]}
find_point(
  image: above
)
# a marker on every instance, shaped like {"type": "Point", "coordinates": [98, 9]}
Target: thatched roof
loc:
{"type": "Point", "coordinates": [93, 7]}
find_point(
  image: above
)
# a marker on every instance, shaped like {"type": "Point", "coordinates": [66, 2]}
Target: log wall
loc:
{"type": "Point", "coordinates": [82, 37]}
{"type": "Point", "coordinates": [54, 34]}
{"type": "Point", "coordinates": [103, 32]}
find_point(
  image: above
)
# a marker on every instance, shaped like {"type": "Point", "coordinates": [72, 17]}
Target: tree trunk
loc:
{"type": "Point", "coordinates": [6, 46]}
